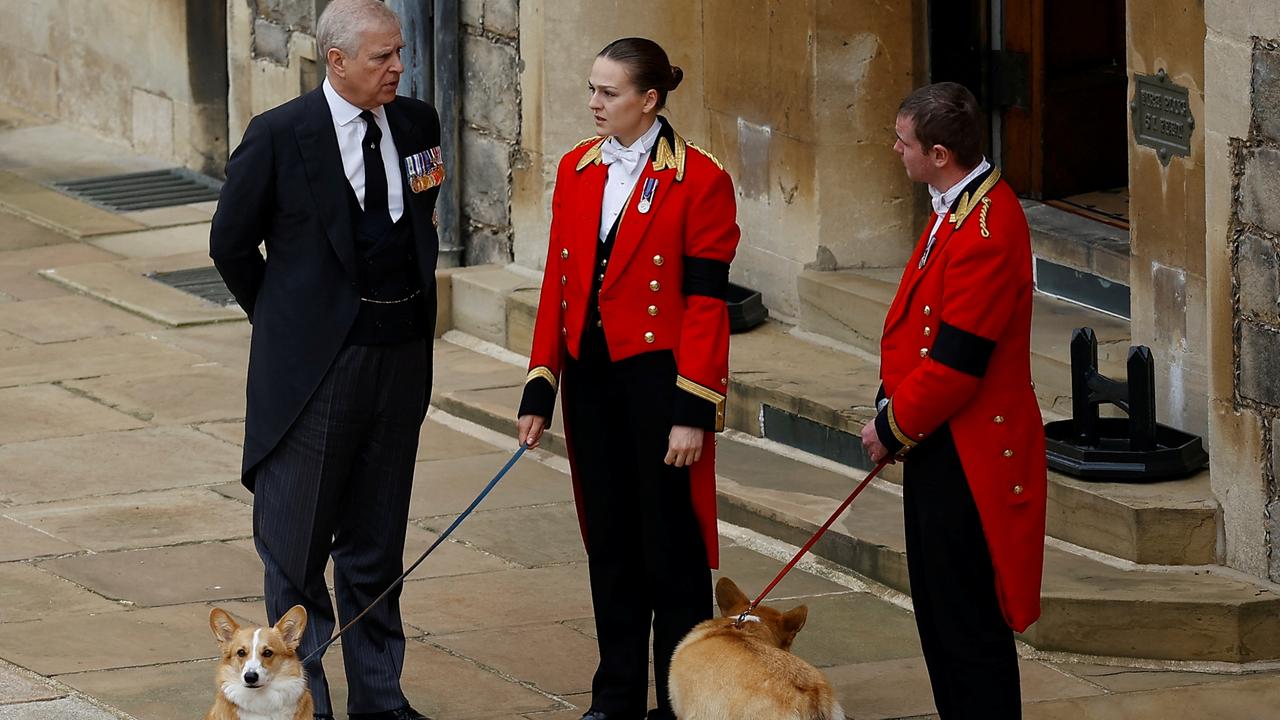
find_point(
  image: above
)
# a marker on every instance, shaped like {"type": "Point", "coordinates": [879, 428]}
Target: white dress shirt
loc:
{"type": "Point", "coordinates": [617, 189]}
{"type": "Point", "coordinates": [942, 201]}
{"type": "Point", "coordinates": [350, 129]}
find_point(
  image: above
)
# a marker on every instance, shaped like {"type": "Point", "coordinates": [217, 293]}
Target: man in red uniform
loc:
{"type": "Point", "coordinates": [958, 407]}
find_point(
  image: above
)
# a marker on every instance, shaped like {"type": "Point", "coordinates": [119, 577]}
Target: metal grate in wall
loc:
{"type": "Point", "coordinates": [203, 282]}
{"type": "Point", "coordinates": [143, 190]}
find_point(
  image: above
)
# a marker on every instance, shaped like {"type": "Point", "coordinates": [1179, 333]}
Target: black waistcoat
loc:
{"type": "Point", "coordinates": [594, 346]}
{"type": "Point", "coordinates": [388, 272]}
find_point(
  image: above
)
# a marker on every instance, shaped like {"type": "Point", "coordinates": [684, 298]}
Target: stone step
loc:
{"type": "Point", "coordinates": [817, 397]}
{"type": "Point", "coordinates": [850, 306]}
{"type": "Point", "coordinates": [1090, 607]}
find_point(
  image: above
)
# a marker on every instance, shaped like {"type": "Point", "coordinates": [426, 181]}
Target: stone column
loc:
{"type": "Point", "coordinates": [1242, 208]}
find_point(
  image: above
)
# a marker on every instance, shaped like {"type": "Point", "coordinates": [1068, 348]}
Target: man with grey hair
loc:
{"type": "Point", "coordinates": [341, 185]}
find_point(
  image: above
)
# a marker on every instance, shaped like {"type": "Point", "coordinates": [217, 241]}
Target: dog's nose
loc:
{"type": "Point", "coordinates": [251, 677]}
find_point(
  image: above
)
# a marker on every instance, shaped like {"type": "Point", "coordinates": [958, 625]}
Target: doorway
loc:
{"type": "Point", "coordinates": [1051, 76]}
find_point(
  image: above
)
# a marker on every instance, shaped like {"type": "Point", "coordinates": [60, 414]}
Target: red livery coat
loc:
{"type": "Point", "coordinates": [957, 349]}
{"type": "Point", "coordinates": [690, 221]}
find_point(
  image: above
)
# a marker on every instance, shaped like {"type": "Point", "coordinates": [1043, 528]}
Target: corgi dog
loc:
{"type": "Point", "coordinates": [260, 676]}
{"type": "Point", "coordinates": [726, 670]}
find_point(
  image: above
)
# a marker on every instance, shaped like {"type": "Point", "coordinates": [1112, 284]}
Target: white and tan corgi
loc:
{"type": "Point", "coordinates": [260, 676]}
{"type": "Point", "coordinates": [723, 672]}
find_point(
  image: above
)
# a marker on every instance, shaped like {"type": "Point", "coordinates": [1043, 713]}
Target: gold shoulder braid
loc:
{"type": "Point", "coordinates": [969, 203]}
{"type": "Point", "coordinates": [710, 157]}
{"type": "Point", "coordinates": [982, 217]}
{"type": "Point", "coordinates": [584, 141]}
{"type": "Point", "coordinates": [592, 155]}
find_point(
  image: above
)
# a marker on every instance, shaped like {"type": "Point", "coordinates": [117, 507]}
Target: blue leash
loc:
{"type": "Point", "coordinates": [443, 536]}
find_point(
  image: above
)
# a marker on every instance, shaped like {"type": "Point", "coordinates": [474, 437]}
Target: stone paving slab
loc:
{"type": "Point", "coordinates": [175, 215]}
{"type": "Point", "coordinates": [61, 212]}
{"type": "Point", "coordinates": [224, 343]}
{"type": "Point", "coordinates": [1127, 679]}
{"type": "Point", "coordinates": [181, 397]}
{"type": "Point", "coordinates": [140, 520]}
{"type": "Point", "coordinates": [489, 600]}
{"type": "Point", "coordinates": [128, 638]}
{"type": "Point", "coordinates": [157, 242]}
{"type": "Point", "coordinates": [113, 462]}
{"type": "Point", "coordinates": [68, 318]}
{"type": "Point", "coordinates": [19, 542]}
{"type": "Point", "coordinates": [439, 442]}
{"type": "Point", "coordinates": [165, 576]}
{"type": "Point", "coordinates": [228, 432]}
{"type": "Point", "coordinates": [63, 709]}
{"type": "Point", "coordinates": [751, 571]}
{"type": "Point", "coordinates": [159, 692]}
{"type": "Point", "coordinates": [9, 340]}
{"type": "Point", "coordinates": [18, 233]}
{"type": "Point", "coordinates": [447, 487]}
{"type": "Point", "coordinates": [18, 686]}
{"type": "Point", "coordinates": [854, 628]}
{"type": "Point", "coordinates": [556, 659]}
{"type": "Point", "coordinates": [529, 536]}
{"type": "Point", "coordinates": [35, 412]}
{"type": "Point", "coordinates": [1245, 698]}
{"type": "Point", "coordinates": [91, 357]}
{"type": "Point", "coordinates": [46, 152]}
{"type": "Point", "coordinates": [19, 268]}
{"type": "Point", "coordinates": [30, 593]}
{"type": "Point", "coordinates": [122, 284]}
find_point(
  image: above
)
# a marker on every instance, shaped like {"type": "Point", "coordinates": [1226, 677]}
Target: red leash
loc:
{"type": "Point", "coordinates": [843, 506]}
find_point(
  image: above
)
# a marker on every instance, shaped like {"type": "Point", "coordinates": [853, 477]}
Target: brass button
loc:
{"type": "Point", "coordinates": [657, 260]}
{"type": "Point", "coordinates": [1008, 453]}
{"type": "Point", "coordinates": [924, 352]}
{"type": "Point", "coordinates": [653, 309]}
{"type": "Point", "coordinates": [1033, 384]}
{"type": "Point", "coordinates": [600, 277]}
{"type": "Point", "coordinates": [564, 331]}
{"type": "Point", "coordinates": [564, 254]}
{"type": "Point", "coordinates": [724, 381]}
{"type": "Point", "coordinates": [998, 419]}
{"type": "Point", "coordinates": [928, 331]}
{"type": "Point", "coordinates": [599, 323]}
{"type": "Point", "coordinates": [563, 280]}
{"type": "Point", "coordinates": [654, 286]}
{"type": "Point", "coordinates": [648, 337]}
{"type": "Point", "coordinates": [1017, 489]}
{"type": "Point", "coordinates": [919, 436]}
{"type": "Point", "coordinates": [604, 261]}
{"type": "Point", "coordinates": [928, 310]}
{"type": "Point", "coordinates": [564, 304]}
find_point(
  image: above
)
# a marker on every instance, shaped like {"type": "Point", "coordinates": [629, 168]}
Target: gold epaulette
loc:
{"type": "Point", "coordinates": [710, 157]}
{"type": "Point", "coordinates": [969, 203]}
{"type": "Point", "coordinates": [592, 155]}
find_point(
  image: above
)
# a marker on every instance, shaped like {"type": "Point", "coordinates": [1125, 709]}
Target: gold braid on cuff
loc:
{"type": "Point", "coordinates": [705, 393]}
{"type": "Point", "coordinates": [544, 373]}
{"type": "Point", "coordinates": [907, 442]}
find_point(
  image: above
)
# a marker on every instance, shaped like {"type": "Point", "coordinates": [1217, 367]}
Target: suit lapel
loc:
{"type": "Point", "coordinates": [322, 160]}
{"type": "Point", "coordinates": [635, 224]}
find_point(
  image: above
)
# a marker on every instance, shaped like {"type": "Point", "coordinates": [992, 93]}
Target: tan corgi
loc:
{"type": "Point", "coordinates": [260, 676]}
{"type": "Point", "coordinates": [723, 672]}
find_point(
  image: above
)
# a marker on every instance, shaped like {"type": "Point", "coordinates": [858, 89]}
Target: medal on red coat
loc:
{"type": "Point", "coordinates": [646, 195]}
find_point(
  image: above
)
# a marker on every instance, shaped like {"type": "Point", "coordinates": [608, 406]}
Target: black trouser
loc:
{"type": "Point", "coordinates": [968, 647]}
{"type": "Point", "coordinates": [338, 483]}
{"type": "Point", "coordinates": [646, 556]}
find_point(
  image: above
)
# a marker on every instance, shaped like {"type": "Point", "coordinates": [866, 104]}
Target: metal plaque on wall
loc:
{"type": "Point", "coordinates": [1162, 115]}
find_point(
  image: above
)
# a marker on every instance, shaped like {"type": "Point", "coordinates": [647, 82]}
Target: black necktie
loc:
{"type": "Point", "coordinates": [375, 172]}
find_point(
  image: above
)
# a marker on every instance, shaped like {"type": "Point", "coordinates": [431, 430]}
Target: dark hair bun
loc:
{"type": "Point", "coordinates": [676, 76]}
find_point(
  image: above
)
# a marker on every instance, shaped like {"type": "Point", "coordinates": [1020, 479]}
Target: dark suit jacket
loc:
{"type": "Point", "coordinates": [286, 186]}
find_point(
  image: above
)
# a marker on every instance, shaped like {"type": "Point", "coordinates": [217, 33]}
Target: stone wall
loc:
{"type": "Point", "coordinates": [1242, 100]}
{"type": "Point", "coordinates": [491, 126]}
{"type": "Point", "coordinates": [797, 99]}
{"type": "Point", "coordinates": [148, 73]}
{"type": "Point", "coordinates": [271, 56]}
{"type": "Point", "coordinates": [1167, 228]}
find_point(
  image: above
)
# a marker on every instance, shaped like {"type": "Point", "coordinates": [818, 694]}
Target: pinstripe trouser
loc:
{"type": "Point", "coordinates": [338, 485]}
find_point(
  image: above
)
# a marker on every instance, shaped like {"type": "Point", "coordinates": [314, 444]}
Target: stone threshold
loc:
{"type": "Point", "coordinates": [1077, 242]}
{"type": "Point", "coordinates": [1091, 606]}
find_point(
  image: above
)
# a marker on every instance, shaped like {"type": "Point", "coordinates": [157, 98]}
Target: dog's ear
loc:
{"type": "Point", "coordinates": [792, 621]}
{"type": "Point", "coordinates": [291, 625]}
{"type": "Point", "coordinates": [223, 625]}
{"type": "Point", "coordinates": [729, 598]}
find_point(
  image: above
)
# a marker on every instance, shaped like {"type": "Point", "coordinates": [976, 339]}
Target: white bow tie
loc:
{"type": "Point", "coordinates": [612, 152]}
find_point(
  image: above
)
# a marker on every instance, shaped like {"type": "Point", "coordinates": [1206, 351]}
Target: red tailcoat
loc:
{"type": "Point", "coordinates": [660, 289]}
{"type": "Point", "coordinates": [957, 349]}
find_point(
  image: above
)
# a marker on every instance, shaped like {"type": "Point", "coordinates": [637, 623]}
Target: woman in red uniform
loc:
{"type": "Point", "coordinates": [632, 323]}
